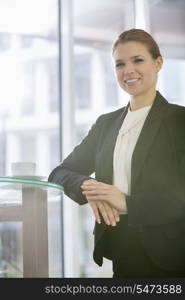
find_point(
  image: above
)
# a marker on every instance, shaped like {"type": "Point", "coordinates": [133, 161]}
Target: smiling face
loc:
{"type": "Point", "coordinates": [136, 69]}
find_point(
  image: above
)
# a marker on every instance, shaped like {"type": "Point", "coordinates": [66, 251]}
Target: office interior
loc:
{"type": "Point", "coordinates": [57, 76]}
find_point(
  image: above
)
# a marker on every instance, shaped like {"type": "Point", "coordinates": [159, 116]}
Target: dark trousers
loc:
{"type": "Point", "coordinates": [128, 254]}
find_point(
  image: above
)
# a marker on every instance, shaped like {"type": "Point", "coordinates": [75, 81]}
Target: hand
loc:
{"type": "Point", "coordinates": [99, 191]}
{"type": "Point", "coordinates": [110, 215]}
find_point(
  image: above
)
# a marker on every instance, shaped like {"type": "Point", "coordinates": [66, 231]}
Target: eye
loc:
{"type": "Point", "coordinates": [120, 64]}
{"type": "Point", "coordinates": [138, 60]}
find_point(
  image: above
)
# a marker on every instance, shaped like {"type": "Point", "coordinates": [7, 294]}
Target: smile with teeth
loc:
{"type": "Point", "coordinates": [131, 80]}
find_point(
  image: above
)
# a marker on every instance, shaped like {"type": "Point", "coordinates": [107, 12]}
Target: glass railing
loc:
{"type": "Point", "coordinates": [30, 227]}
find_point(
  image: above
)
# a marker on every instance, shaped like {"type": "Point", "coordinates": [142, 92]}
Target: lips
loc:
{"type": "Point", "coordinates": [131, 80]}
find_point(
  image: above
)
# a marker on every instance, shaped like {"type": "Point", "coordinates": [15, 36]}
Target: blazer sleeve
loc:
{"type": "Point", "coordinates": [78, 166]}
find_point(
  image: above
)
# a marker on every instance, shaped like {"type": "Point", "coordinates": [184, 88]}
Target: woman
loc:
{"type": "Point", "coordinates": [138, 156]}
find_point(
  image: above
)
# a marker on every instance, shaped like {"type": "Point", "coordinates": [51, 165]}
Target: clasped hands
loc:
{"type": "Point", "coordinates": [105, 200]}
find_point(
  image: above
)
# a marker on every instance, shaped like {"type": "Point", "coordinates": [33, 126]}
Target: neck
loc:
{"type": "Point", "coordinates": [137, 102]}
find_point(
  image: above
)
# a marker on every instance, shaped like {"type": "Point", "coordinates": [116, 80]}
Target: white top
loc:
{"type": "Point", "coordinates": [124, 147]}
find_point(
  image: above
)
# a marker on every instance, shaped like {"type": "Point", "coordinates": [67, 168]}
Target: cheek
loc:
{"type": "Point", "coordinates": [119, 76]}
{"type": "Point", "coordinates": [153, 76]}
{"type": "Point", "coordinates": [150, 74]}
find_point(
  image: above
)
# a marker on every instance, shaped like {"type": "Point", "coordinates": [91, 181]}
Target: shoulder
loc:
{"type": "Point", "coordinates": [176, 112]}
{"type": "Point", "coordinates": [176, 109]}
{"type": "Point", "coordinates": [105, 121]}
{"type": "Point", "coordinates": [111, 115]}
{"type": "Point", "coordinates": [171, 108]}
{"type": "Point", "coordinates": [175, 120]}
{"type": "Point", "coordinates": [173, 114]}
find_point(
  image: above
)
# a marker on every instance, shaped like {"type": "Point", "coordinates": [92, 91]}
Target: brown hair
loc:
{"type": "Point", "coordinates": [141, 36]}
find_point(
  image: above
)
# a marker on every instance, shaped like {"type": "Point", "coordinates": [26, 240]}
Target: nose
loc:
{"type": "Point", "coordinates": [129, 69]}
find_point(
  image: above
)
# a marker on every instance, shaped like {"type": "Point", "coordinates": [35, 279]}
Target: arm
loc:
{"type": "Point", "coordinates": [71, 181]}
{"type": "Point", "coordinates": [76, 169]}
{"type": "Point", "coordinates": [78, 166]}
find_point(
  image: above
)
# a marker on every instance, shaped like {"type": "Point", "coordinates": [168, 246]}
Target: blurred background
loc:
{"type": "Point", "coordinates": [57, 77]}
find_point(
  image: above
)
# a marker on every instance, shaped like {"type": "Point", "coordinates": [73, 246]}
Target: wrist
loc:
{"type": "Point", "coordinates": [123, 205]}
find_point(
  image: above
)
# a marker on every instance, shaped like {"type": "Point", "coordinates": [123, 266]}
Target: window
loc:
{"type": "Point", "coordinates": [29, 99]}
{"type": "Point", "coordinates": [82, 80]}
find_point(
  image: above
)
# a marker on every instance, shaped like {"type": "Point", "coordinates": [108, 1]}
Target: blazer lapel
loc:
{"type": "Point", "coordinates": [147, 135]}
{"type": "Point", "coordinates": [108, 147]}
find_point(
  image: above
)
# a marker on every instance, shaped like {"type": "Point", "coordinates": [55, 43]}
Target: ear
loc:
{"type": "Point", "coordinates": [159, 63]}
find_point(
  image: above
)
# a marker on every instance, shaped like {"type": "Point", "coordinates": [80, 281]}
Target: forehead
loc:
{"type": "Point", "coordinates": [129, 49]}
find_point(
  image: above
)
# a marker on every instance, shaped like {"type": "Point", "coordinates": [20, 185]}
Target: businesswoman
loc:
{"type": "Point", "coordinates": [138, 155]}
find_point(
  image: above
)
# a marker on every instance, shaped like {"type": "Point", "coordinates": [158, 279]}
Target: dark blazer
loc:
{"type": "Point", "coordinates": [156, 205]}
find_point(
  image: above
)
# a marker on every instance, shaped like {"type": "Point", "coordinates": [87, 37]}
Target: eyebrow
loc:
{"type": "Point", "coordinates": [132, 57]}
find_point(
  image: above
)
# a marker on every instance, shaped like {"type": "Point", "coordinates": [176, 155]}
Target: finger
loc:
{"type": "Point", "coordinates": [110, 213]}
{"type": "Point", "coordinates": [94, 192]}
{"type": "Point", "coordinates": [95, 211]}
{"type": "Point", "coordinates": [90, 182]}
{"type": "Point", "coordinates": [103, 212]}
{"type": "Point", "coordinates": [103, 197]}
{"type": "Point", "coordinates": [95, 185]}
{"type": "Point", "coordinates": [116, 214]}
{"type": "Point", "coordinates": [89, 187]}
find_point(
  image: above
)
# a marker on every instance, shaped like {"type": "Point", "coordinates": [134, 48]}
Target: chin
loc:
{"type": "Point", "coordinates": [133, 93]}
{"type": "Point", "coordinates": [136, 93]}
